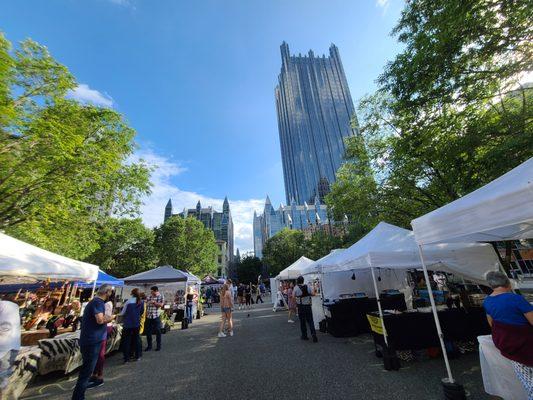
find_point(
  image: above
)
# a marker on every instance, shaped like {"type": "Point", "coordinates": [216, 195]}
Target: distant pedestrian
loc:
{"type": "Point", "coordinates": [291, 302]}
{"type": "Point", "coordinates": [248, 296]}
{"type": "Point", "coordinates": [302, 294]}
{"type": "Point", "coordinates": [226, 307]}
{"type": "Point", "coordinates": [208, 297]}
{"type": "Point", "coordinates": [154, 305]}
{"type": "Point", "coordinates": [259, 297]}
{"type": "Point", "coordinates": [93, 332]}
{"type": "Point", "coordinates": [240, 296]}
{"type": "Point", "coordinates": [131, 313]}
{"type": "Point", "coordinates": [189, 302]}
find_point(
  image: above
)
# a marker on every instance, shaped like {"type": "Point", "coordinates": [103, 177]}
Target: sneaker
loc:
{"type": "Point", "coordinates": [304, 338]}
{"type": "Point", "coordinates": [158, 349]}
{"type": "Point", "coordinates": [96, 383]}
{"type": "Point", "coordinates": [148, 349]}
{"type": "Point", "coordinates": [221, 334]}
{"type": "Point", "coordinates": [315, 339]}
{"type": "Point", "coordinates": [92, 379]}
{"type": "Point", "coordinates": [290, 321]}
{"type": "Point", "coordinates": [231, 333]}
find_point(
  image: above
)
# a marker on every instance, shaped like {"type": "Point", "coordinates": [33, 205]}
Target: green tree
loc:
{"type": "Point", "coordinates": [186, 244]}
{"type": "Point", "coordinates": [63, 165]}
{"type": "Point", "coordinates": [248, 269]}
{"type": "Point", "coordinates": [320, 244]}
{"type": "Point", "coordinates": [282, 249]}
{"type": "Point", "coordinates": [450, 114]}
{"type": "Point", "coordinates": [125, 247]}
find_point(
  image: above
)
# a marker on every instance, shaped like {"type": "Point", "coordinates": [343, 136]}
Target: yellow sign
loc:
{"type": "Point", "coordinates": [375, 324]}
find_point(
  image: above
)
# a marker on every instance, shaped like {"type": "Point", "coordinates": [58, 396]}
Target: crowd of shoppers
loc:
{"type": "Point", "coordinates": [138, 313]}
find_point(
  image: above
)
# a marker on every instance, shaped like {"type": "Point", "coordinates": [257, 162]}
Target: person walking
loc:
{"type": "Point", "coordinates": [154, 304]}
{"type": "Point", "coordinates": [259, 297]}
{"type": "Point", "coordinates": [302, 294]}
{"type": "Point", "coordinates": [248, 296]}
{"type": "Point", "coordinates": [291, 302]}
{"type": "Point", "coordinates": [208, 294]}
{"type": "Point", "coordinates": [226, 307]}
{"type": "Point", "coordinates": [93, 332]}
{"type": "Point", "coordinates": [511, 319]}
{"type": "Point", "coordinates": [240, 296]}
{"type": "Point", "coordinates": [131, 326]}
{"type": "Point", "coordinates": [189, 301]}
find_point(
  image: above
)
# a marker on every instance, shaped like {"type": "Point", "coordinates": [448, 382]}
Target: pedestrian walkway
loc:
{"type": "Point", "coordinates": [264, 360]}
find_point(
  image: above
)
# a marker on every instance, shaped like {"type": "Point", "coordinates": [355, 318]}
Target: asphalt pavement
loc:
{"type": "Point", "coordinates": [264, 360]}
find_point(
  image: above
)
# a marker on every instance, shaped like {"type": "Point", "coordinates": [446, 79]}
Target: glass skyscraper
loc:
{"type": "Point", "coordinates": [314, 108]}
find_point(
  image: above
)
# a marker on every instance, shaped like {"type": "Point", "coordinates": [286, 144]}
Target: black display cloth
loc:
{"type": "Point", "coordinates": [348, 316]}
{"type": "Point", "coordinates": [417, 330]}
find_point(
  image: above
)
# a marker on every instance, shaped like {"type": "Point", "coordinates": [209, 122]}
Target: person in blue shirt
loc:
{"type": "Point", "coordinates": [93, 332]}
{"type": "Point", "coordinates": [511, 319]}
{"type": "Point", "coordinates": [132, 313]}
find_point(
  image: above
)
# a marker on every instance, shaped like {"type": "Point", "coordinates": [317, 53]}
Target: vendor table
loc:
{"type": "Point", "coordinates": [416, 330]}
{"type": "Point", "coordinates": [499, 378]}
{"type": "Point", "coordinates": [17, 368]}
{"type": "Point", "coordinates": [348, 316]}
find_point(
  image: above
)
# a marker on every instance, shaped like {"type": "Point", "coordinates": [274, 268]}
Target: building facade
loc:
{"type": "Point", "coordinates": [220, 223]}
{"type": "Point", "coordinates": [314, 109]}
{"type": "Point", "coordinates": [307, 218]}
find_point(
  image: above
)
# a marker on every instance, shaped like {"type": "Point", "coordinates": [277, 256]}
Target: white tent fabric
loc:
{"type": "Point", "coordinates": [500, 210]}
{"type": "Point", "coordinates": [163, 274]}
{"type": "Point", "coordinates": [19, 259]}
{"type": "Point", "coordinates": [388, 246]}
{"type": "Point", "coordinates": [294, 270]}
{"type": "Point", "coordinates": [314, 267]}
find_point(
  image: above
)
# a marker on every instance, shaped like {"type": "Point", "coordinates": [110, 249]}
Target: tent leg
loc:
{"type": "Point", "coordinates": [449, 386]}
{"type": "Point", "coordinates": [379, 307]}
{"type": "Point", "coordinates": [94, 289]}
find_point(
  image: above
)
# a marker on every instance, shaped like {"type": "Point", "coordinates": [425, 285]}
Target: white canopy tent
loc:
{"type": "Point", "coordinates": [19, 259]}
{"type": "Point", "coordinates": [392, 247]}
{"type": "Point", "coordinates": [315, 266]}
{"type": "Point", "coordinates": [294, 270]}
{"type": "Point", "coordinates": [500, 210]}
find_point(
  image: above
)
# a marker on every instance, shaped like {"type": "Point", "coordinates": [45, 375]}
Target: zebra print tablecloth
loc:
{"type": "Point", "coordinates": [17, 368]}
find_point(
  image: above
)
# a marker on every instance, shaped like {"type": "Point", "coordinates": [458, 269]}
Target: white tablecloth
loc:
{"type": "Point", "coordinates": [499, 378]}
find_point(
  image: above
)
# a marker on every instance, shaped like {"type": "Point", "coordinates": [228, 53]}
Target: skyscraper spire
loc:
{"type": "Point", "coordinates": [225, 206]}
{"type": "Point", "coordinates": [168, 210]}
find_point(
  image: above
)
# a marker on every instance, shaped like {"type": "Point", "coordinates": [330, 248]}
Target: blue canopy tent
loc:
{"type": "Point", "coordinates": [103, 279]}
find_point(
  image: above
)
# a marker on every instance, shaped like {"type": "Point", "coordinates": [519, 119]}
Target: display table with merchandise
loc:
{"type": "Point", "coordinates": [347, 317]}
{"type": "Point", "coordinates": [415, 330]}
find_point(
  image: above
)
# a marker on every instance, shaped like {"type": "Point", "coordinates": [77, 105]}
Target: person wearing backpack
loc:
{"type": "Point", "coordinates": [303, 295]}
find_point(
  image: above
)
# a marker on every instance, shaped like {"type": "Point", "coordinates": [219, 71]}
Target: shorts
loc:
{"type": "Point", "coordinates": [226, 310]}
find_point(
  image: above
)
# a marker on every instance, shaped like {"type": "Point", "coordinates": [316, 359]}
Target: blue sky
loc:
{"type": "Point", "coordinates": [196, 80]}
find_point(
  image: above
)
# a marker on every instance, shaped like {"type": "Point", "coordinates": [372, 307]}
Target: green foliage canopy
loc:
{"type": "Point", "coordinates": [450, 115]}
{"type": "Point", "coordinates": [282, 249]}
{"type": "Point", "coordinates": [186, 244]}
{"type": "Point", "coordinates": [63, 164]}
{"type": "Point", "coordinates": [125, 247]}
{"type": "Point", "coordinates": [248, 269]}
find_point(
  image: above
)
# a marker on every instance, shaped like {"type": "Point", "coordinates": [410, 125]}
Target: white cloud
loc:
{"type": "Point", "coordinates": [383, 4]}
{"type": "Point", "coordinates": [152, 211]}
{"type": "Point", "coordinates": [84, 94]}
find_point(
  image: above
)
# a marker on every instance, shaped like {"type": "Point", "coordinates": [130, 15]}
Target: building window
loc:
{"type": "Point", "coordinates": [220, 259]}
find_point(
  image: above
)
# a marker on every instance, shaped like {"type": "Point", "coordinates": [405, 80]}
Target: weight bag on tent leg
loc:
{"type": "Point", "coordinates": [323, 326]}
{"type": "Point", "coordinates": [391, 362]}
{"type": "Point", "coordinates": [184, 323]}
{"type": "Point", "coordinates": [453, 391]}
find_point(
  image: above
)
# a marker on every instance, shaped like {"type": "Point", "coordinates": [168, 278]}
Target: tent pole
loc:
{"type": "Point", "coordinates": [379, 307]}
{"type": "Point", "coordinates": [94, 289]}
{"type": "Point", "coordinates": [435, 316]}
